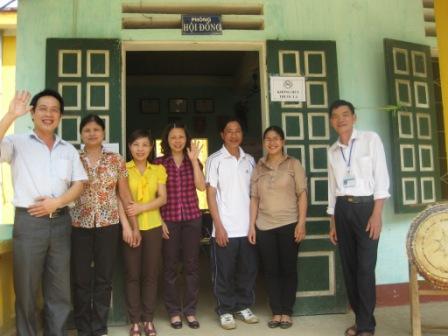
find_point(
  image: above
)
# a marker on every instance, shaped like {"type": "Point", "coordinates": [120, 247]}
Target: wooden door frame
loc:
{"type": "Point", "coordinates": [259, 46]}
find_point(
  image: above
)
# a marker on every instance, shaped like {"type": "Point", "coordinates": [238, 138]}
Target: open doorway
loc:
{"type": "Point", "coordinates": [199, 89]}
{"type": "Point", "coordinates": [196, 88]}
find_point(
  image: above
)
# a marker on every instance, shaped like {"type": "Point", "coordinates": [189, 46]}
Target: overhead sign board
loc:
{"type": "Point", "coordinates": [201, 25]}
{"type": "Point", "coordinates": [287, 89]}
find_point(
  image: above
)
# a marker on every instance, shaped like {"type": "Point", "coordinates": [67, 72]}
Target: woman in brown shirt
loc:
{"type": "Point", "coordinates": [277, 222]}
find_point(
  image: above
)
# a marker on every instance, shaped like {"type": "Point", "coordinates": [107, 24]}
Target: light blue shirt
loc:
{"type": "Point", "coordinates": [38, 171]}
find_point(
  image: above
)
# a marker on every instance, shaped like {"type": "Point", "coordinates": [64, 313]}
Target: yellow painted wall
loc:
{"type": "Point", "coordinates": [8, 83]}
{"type": "Point", "coordinates": [7, 87]}
{"type": "Point", "coordinates": [7, 298]}
{"type": "Point", "coordinates": [441, 13]}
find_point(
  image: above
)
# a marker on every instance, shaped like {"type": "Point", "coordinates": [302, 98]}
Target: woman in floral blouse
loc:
{"type": "Point", "coordinates": [147, 184]}
{"type": "Point", "coordinates": [183, 220]}
{"type": "Point", "coordinates": [96, 230]}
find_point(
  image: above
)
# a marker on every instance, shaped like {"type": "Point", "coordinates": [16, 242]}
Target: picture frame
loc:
{"type": "Point", "coordinates": [204, 106]}
{"type": "Point", "coordinates": [178, 105]}
{"type": "Point", "coordinates": [149, 106]}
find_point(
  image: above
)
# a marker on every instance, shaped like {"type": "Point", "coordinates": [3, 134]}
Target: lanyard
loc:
{"type": "Point", "coordinates": [349, 155]}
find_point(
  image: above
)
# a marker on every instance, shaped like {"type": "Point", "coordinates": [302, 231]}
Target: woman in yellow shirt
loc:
{"type": "Point", "coordinates": [147, 183]}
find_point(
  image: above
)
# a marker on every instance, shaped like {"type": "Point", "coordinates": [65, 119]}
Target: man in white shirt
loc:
{"type": "Point", "coordinates": [47, 175]}
{"type": "Point", "coordinates": [358, 184]}
{"type": "Point", "coordinates": [234, 260]}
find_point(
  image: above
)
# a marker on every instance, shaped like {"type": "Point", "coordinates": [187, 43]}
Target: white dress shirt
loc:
{"type": "Point", "coordinates": [38, 171]}
{"type": "Point", "coordinates": [231, 179]}
{"type": "Point", "coordinates": [367, 167]}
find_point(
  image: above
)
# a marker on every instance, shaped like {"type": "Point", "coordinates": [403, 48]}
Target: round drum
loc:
{"type": "Point", "coordinates": [427, 244]}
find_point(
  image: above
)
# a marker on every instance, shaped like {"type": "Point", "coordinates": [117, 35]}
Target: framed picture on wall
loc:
{"type": "Point", "coordinates": [149, 106]}
{"type": "Point", "coordinates": [178, 105]}
{"type": "Point", "coordinates": [203, 106]}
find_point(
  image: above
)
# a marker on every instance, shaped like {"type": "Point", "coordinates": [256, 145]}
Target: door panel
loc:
{"type": "Point", "coordinates": [86, 72]}
{"type": "Point", "coordinates": [308, 136]}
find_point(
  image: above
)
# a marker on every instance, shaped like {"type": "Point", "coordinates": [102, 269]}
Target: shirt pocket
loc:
{"type": "Point", "coordinates": [63, 169]}
{"type": "Point", "coordinates": [365, 166]}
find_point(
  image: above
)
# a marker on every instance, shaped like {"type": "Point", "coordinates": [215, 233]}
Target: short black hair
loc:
{"type": "Point", "coordinates": [166, 150]}
{"type": "Point", "coordinates": [141, 133]}
{"type": "Point", "coordinates": [51, 93]}
{"type": "Point", "coordinates": [340, 102]}
{"type": "Point", "coordinates": [227, 120]}
{"type": "Point", "coordinates": [92, 118]}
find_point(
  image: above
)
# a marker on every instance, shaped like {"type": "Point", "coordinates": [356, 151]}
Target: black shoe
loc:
{"type": "Point", "coordinates": [273, 324]}
{"type": "Point", "coordinates": [285, 324]}
{"type": "Point", "coordinates": [176, 324]}
{"type": "Point", "coordinates": [193, 324]}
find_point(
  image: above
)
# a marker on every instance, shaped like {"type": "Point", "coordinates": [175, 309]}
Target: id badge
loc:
{"type": "Point", "coordinates": [349, 181]}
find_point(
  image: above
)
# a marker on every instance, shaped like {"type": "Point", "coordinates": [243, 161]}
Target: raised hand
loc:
{"type": "Point", "coordinates": [19, 104]}
{"type": "Point", "coordinates": [194, 151]}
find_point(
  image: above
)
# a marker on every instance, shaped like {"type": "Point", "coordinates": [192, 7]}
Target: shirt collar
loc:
{"type": "Point", "coordinates": [354, 136]}
{"type": "Point", "coordinates": [264, 162]}
{"type": "Point", "coordinates": [83, 151]}
{"type": "Point", "coordinates": [170, 158]}
{"type": "Point", "coordinates": [131, 164]}
{"type": "Point", "coordinates": [226, 152]}
{"type": "Point", "coordinates": [57, 138]}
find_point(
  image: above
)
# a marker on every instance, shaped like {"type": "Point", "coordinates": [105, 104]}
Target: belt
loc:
{"type": "Point", "coordinates": [357, 199]}
{"type": "Point", "coordinates": [55, 214]}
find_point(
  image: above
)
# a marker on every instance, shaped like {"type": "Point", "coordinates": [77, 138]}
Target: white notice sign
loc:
{"type": "Point", "coordinates": [287, 89]}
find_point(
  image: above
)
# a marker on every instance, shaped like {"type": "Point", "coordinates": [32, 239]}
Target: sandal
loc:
{"type": "Point", "coordinates": [149, 329]}
{"type": "Point", "coordinates": [135, 332]}
{"type": "Point", "coordinates": [285, 324]}
{"type": "Point", "coordinates": [351, 331]}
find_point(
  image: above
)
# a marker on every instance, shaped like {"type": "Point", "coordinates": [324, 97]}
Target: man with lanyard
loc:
{"type": "Point", "coordinates": [234, 261]}
{"type": "Point", "coordinates": [358, 184]}
{"type": "Point", "coordinates": [47, 175]}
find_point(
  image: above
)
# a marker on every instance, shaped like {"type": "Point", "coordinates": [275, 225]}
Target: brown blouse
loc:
{"type": "Point", "coordinates": [278, 192]}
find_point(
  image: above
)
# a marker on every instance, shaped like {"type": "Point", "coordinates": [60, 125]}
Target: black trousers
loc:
{"type": "Point", "coordinates": [93, 285]}
{"type": "Point", "coordinates": [234, 271]}
{"type": "Point", "coordinates": [278, 252]}
{"type": "Point", "coordinates": [358, 256]}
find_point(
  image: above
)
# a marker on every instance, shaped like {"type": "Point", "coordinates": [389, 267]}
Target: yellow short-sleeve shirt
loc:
{"type": "Point", "coordinates": [144, 189]}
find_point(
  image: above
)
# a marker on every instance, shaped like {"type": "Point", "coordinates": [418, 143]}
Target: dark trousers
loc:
{"type": "Point", "coordinates": [142, 266]}
{"type": "Point", "coordinates": [358, 256]}
{"type": "Point", "coordinates": [183, 245]}
{"type": "Point", "coordinates": [278, 252]}
{"type": "Point", "coordinates": [234, 271]}
{"type": "Point", "coordinates": [92, 286]}
{"type": "Point", "coordinates": [41, 252]}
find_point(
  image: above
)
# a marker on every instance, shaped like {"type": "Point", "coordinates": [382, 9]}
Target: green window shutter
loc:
{"type": "Point", "coordinates": [416, 172]}
{"type": "Point", "coordinates": [308, 136]}
{"type": "Point", "coordinates": [86, 72]}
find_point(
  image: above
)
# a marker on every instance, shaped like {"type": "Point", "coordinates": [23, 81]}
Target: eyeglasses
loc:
{"type": "Point", "coordinates": [45, 109]}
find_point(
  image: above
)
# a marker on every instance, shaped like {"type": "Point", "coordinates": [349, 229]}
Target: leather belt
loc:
{"type": "Point", "coordinates": [357, 199]}
{"type": "Point", "coordinates": [55, 214]}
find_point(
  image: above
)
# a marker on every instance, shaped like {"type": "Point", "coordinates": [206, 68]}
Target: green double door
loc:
{"type": "Point", "coordinates": [87, 72]}
{"type": "Point", "coordinates": [308, 136]}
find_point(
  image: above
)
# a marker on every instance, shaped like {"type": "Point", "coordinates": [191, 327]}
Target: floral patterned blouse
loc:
{"type": "Point", "coordinates": [98, 204]}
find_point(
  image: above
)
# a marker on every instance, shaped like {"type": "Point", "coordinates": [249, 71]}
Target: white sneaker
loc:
{"type": "Point", "coordinates": [227, 321]}
{"type": "Point", "coordinates": [247, 316]}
